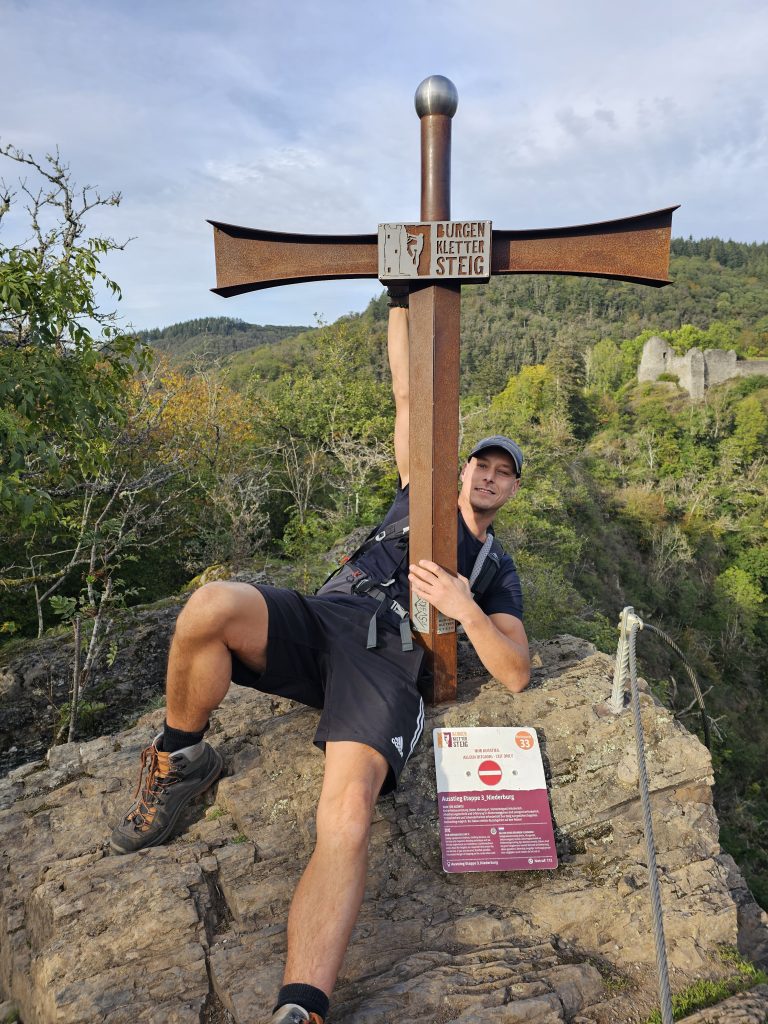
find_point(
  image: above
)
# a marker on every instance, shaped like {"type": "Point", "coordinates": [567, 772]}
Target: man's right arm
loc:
{"type": "Point", "coordinates": [397, 347]}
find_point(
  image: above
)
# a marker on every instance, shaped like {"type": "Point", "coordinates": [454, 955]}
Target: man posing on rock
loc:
{"type": "Point", "coordinates": [350, 653]}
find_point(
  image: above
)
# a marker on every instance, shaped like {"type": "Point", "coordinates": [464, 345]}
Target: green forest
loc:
{"type": "Point", "coordinates": [207, 339]}
{"type": "Point", "coordinates": [131, 464]}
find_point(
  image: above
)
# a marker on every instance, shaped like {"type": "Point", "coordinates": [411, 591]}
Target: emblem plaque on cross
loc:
{"type": "Point", "coordinates": [447, 250]}
{"type": "Point", "coordinates": [435, 256]}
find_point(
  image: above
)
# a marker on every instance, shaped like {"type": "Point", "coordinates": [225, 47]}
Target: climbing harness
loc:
{"type": "Point", "coordinates": [348, 579]}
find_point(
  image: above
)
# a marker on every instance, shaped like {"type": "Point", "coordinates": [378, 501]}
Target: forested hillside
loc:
{"type": "Point", "coordinates": [719, 288]}
{"type": "Point", "coordinates": [122, 475]}
{"type": "Point", "coordinates": [208, 339]}
{"type": "Point", "coordinates": [514, 321]}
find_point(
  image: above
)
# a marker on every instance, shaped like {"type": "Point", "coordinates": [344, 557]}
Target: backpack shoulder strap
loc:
{"type": "Point", "coordinates": [487, 565]}
{"type": "Point", "coordinates": [394, 531]}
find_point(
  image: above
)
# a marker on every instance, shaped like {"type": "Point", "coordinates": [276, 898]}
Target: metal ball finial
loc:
{"type": "Point", "coordinates": [436, 95]}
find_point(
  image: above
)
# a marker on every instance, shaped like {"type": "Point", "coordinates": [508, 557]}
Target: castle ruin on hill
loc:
{"type": "Point", "coordinates": [696, 370]}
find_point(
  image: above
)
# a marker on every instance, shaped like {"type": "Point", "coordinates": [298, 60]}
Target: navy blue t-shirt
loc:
{"type": "Point", "coordinates": [387, 559]}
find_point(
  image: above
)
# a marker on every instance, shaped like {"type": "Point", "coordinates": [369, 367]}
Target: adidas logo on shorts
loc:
{"type": "Point", "coordinates": [397, 741]}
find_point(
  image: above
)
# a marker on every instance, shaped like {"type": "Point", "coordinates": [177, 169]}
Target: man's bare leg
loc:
{"type": "Point", "coordinates": [328, 897]}
{"type": "Point", "coordinates": [217, 619]}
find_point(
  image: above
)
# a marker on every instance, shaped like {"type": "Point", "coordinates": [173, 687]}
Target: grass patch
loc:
{"type": "Point", "coordinates": [154, 704]}
{"type": "Point", "coordinates": [18, 645]}
{"type": "Point", "coordinates": [702, 994]}
{"type": "Point", "coordinates": [614, 984]}
{"type": "Point", "coordinates": [160, 603]}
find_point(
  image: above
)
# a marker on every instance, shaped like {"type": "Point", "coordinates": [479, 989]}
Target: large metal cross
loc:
{"type": "Point", "coordinates": [434, 257]}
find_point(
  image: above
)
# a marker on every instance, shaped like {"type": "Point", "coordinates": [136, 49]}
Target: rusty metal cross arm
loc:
{"type": "Point", "coordinates": [632, 249]}
{"type": "Point", "coordinates": [248, 259]}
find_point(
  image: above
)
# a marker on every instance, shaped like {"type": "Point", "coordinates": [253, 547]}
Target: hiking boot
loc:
{"type": "Point", "coordinates": [290, 1013]}
{"type": "Point", "coordinates": [171, 782]}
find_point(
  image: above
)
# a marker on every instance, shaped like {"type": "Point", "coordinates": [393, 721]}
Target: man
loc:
{"type": "Point", "coordinates": [346, 653]}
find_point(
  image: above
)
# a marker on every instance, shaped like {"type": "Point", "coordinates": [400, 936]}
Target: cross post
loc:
{"type": "Point", "coordinates": [434, 332]}
{"type": "Point", "coordinates": [434, 257]}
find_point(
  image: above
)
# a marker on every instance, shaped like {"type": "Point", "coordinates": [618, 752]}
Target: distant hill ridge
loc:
{"type": "Point", "coordinates": [215, 337]}
{"type": "Point", "coordinates": [516, 320]}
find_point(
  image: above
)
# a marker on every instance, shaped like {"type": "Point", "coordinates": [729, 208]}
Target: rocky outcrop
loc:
{"type": "Point", "coordinates": [195, 931]}
{"type": "Point", "coordinates": [36, 676]}
{"type": "Point", "coordinates": [35, 682]}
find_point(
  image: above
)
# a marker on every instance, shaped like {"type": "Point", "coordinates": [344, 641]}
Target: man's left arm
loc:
{"type": "Point", "coordinates": [499, 638]}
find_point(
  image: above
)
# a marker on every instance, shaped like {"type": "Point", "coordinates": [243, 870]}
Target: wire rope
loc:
{"type": "Point", "coordinates": [694, 682]}
{"type": "Point", "coordinates": [662, 965]}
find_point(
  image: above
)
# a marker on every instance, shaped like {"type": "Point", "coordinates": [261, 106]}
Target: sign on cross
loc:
{"type": "Point", "coordinates": [434, 257]}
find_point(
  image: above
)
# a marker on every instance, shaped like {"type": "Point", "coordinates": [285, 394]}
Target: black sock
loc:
{"type": "Point", "coordinates": [314, 1000]}
{"type": "Point", "coordinates": [174, 739]}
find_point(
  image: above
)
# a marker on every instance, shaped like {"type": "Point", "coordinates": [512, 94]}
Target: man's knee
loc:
{"type": "Point", "coordinates": [216, 608]}
{"type": "Point", "coordinates": [354, 775]}
{"type": "Point", "coordinates": [344, 817]}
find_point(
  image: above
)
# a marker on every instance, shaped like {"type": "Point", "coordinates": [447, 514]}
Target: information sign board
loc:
{"type": "Point", "coordinates": [492, 796]}
{"type": "Point", "coordinates": [438, 250]}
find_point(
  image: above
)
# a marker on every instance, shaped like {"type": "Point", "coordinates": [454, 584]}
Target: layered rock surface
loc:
{"type": "Point", "coordinates": [195, 931]}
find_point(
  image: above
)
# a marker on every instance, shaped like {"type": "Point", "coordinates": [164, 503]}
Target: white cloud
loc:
{"type": "Point", "coordinates": [300, 118]}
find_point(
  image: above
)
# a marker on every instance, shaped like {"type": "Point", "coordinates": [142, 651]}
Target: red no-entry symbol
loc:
{"type": "Point", "coordinates": [490, 773]}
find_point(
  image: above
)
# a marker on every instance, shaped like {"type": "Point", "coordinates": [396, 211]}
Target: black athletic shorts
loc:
{"type": "Point", "coordinates": [316, 654]}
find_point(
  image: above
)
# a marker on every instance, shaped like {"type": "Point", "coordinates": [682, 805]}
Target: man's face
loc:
{"type": "Point", "coordinates": [488, 480]}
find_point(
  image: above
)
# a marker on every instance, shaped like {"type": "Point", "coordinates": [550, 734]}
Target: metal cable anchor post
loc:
{"type": "Point", "coordinates": [621, 672]}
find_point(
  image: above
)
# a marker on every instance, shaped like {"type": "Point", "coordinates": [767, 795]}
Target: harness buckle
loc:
{"type": "Point", "coordinates": [363, 586]}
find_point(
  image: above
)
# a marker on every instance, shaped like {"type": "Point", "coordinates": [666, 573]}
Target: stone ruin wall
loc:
{"type": "Point", "coordinates": [696, 370]}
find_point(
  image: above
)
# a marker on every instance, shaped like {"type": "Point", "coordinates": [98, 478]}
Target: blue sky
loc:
{"type": "Point", "coordinates": [299, 117]}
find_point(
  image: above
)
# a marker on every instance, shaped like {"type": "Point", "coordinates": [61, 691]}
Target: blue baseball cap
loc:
{"type": "Point", "coordinates": [506, 444]}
